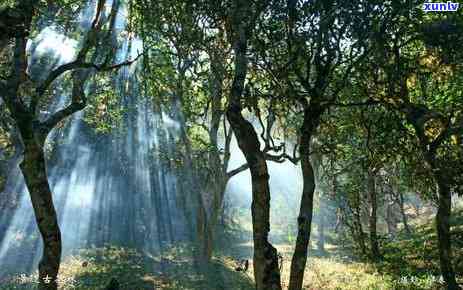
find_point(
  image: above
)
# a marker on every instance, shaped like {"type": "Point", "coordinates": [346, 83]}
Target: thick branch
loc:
{"type": "Point", "coordinates": [54, 74]}
{"type": "Point", "coordinates": [79, 65]}
{"type": "Point", "coordinates": [79, 100]}
{"type": "Point", "coordinates": [237, 170]}
{"type": "Point", "coordinates": [78, 103]}
{"type": "Point", "coordinates": [269, 157]}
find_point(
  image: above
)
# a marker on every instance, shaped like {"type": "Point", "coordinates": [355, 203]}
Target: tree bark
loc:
{"type": "Point", "coordinates": [403, 213]}
{"type": "Point", "coordinates": [304, 222]}
{"type": "Point", "coordinates": [357, 228]}
{"type": "Point", "coordinates": [266, 270]}
{"type": "Point", "coordinates": [12, 21]}
{"type": "Point", "coordinates": [316, 158]}
{"type": "Point", "coordinates": [33, 167]}
{"type": "Point", "coordinates": [360, 233]}
{"type": "Point", "coordinates": [218, 180]}
{"type": "Point", "coordinates": [312, 115]}
{"type": "Point", "coordinates": [443, 233]}
{"type": "Point", "coordinates": [321, 233]}
{"type": "Point", "coordinates": [34, 170]}
{"type": "Point", "coordinates": [372, 219]}
{"type": "Point", "coordinates": [390, 217]}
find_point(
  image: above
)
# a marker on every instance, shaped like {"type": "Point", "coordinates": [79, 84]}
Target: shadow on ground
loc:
{"type": "Point", "coordinates": [93, 269]}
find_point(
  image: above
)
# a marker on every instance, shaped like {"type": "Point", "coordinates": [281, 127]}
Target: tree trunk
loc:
{"type": "Point", "coordinates": [33, 168]}
{"type": "Point", "coordinates": [321, 233]}
{"type": "Point", "coordinates": [217, 202]}
{"type": "Point", "coordinates": [339, 220]}
{"type": "Point", "coordinates": [304, 222]}
{"type": "Point", "coordinates": [403, 213]}
{"type": "Point", "coordinates": [444, 209]}
{"type": "Point", "coordinates": [322, 195]}
{"type": "Point", "coordinates": [312, 115]}
{"type": "Point", "coordinates": [191, 177]}
{"type": "Point", "coordinates": [266, 270]}
{"type": "Point", "coordinates": [3, 175]}
{"type": "Point", "coordinates": [443, 233]}
{"type": "Point", "coordinates": [202, 251]}
{"type": "Point", "coordinates": [372, 219]}
{"type": "Point", "coordinates": [390, 218]}
{"type": "Point", "coordinates": [359, 235]}
{"type": "Point", "coordinates": [34, 133]}
{"type": "Point", "coordinates": [217, 180]}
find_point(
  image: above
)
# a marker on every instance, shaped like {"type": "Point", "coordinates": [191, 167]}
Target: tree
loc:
{"type": "Point", "coordinates": [418, 79]}
{"type": "Point", "coordinates": [241, 26]}
{"type": "Point", "coordinates": [23, 93]}
{"type": "Point", "coordinates": [311, 70]}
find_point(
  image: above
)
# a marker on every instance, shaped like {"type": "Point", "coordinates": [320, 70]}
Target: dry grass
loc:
{"type": "Point", "coordinates": [91, 269]}
{"type": "Point", "coordinates": [324, 273]}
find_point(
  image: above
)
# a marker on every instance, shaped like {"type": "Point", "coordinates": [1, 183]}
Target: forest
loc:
{"type": "Point", "coordinates": [231, 144]}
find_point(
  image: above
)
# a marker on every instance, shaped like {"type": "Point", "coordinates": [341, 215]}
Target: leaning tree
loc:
{"type": "Point", "coordinates": [24, 93]}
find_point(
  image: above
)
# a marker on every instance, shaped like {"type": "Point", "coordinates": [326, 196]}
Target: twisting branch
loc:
{"type": "Point", "coordinates": [89, 42]}
{"type": "Point", "coordinates": [282, 158]}
{"type": "Point", "coordinates": [79, 65]}
{"type": "Point", "coordinates": [54, 74]}
{"type": "Point", "coordinates": [18, 72]}
{"type": "Point", "coordinates": [78, 103]}
{"type": "Point", "coordinates": [269, 157]}
{"type": "Point", "coordinates": [78, 97]}
{"type": "Point", "coordinates": [79, 100]}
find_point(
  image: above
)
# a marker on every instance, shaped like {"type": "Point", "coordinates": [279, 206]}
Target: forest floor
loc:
{"type": "Point", "coordinates": [409, 262]}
